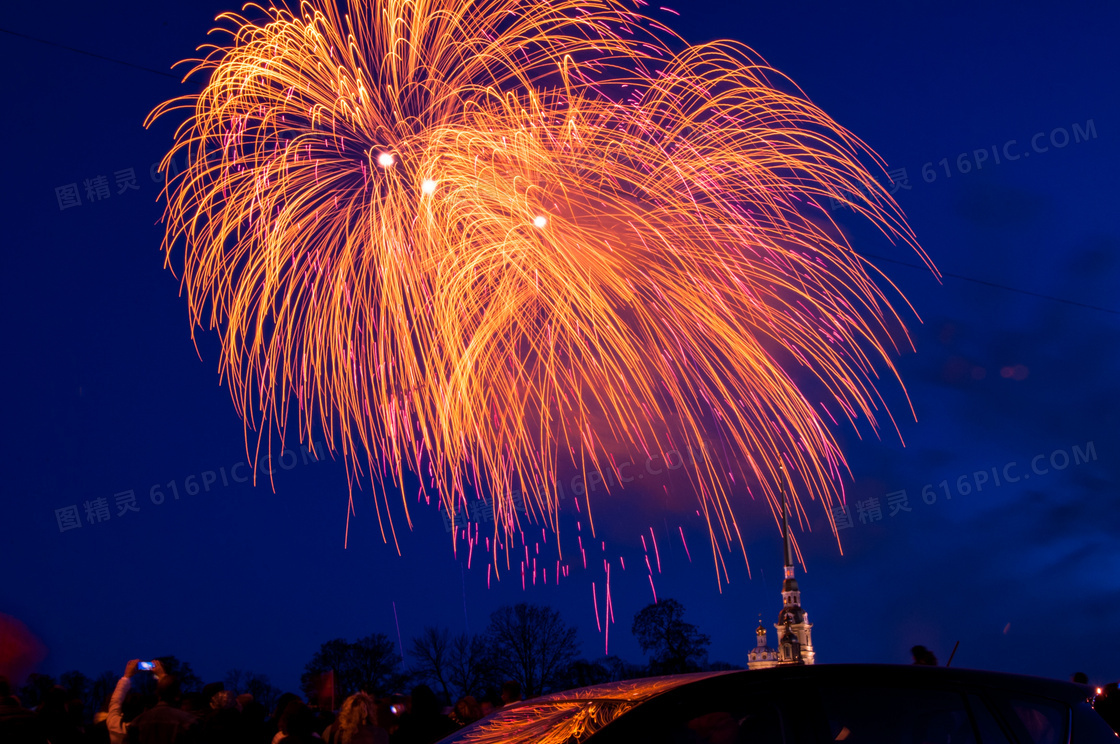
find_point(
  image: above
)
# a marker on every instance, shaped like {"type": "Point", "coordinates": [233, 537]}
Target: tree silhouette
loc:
{"type": "Point", "coordinates": [368, 664]}
{"type": "Point", "coordinates": [35, 689]}
{"type": "Point", "coordinates": [235, 680]}
{"type": "Point", "coordinates": [101, 689]}
{"type": "Point", "coordinates": [620, 669]}
{"type": "Point", "coordinates": [721, 666]}
{"type": "Point", "coordinates": [584, 673]}
{"type": "Point", "coordinates": [76, 684]}
{"type": "Point", "coordinates": [78, 687]}
{"type": "Point", "coordinates": [674, 646]}
{"type": "Point", "coordinates": [531, 645]}
{"type": "Point", "coordinates": [262, 690]}
{"type": "Point", "coordinates": [188, 680]}
{"type": "Point", "coordinates": [455, 665]}
{"type": "Point", "coordinates": [431, 659]}
{"type": "Point", "coordinates": [258, 685]}
{"type": "Point", "coordinates": [471, 669]}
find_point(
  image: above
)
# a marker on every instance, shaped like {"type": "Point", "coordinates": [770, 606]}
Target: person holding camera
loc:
{"type": "Point", "coordinates": [163, 724]}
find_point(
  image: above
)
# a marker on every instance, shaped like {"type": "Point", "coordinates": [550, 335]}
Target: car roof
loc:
{"type": "Point", "coordinates": [630, 690]}
{"type": "Point", "coordinates": [573, 715]}
{"type": "Point", "coordinates": [915, 674]}
{"type": "Point", "coordinates": [639, 690]}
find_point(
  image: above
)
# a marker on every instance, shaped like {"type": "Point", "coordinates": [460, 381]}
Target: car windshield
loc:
{"type": "Point", "coordinates": [547, 723]}
{"type": "Point", "coordinates": [567, 717]}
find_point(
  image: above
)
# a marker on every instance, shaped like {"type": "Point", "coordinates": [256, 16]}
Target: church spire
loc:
{"type": "Point", "coordinates": [787, 548]}
{"type": "Point", "coordinates": [793, 626]}
{"type": "Point", "coordinates": [794, 631]}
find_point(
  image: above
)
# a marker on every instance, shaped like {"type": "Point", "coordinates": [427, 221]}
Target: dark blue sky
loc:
{"type": "Point", "coordinates": [106, 392]}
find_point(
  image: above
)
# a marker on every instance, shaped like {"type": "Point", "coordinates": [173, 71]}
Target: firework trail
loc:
{"type": "Point", "coordinates": [484, 240]}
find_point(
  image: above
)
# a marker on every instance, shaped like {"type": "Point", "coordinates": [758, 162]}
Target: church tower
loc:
{"type": "Point", "coordinates": [793, 622]}
{"type": "Point", "coordinates": [761, 656]}
{"type": "Point", "coordinates": [793, 629]}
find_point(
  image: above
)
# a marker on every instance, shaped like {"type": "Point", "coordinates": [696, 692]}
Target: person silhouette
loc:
{"type": "Point", "coordinates": [923, 656]}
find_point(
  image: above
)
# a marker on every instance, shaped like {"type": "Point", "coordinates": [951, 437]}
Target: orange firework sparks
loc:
{"type": "Point", "coordinates": [480, 240]}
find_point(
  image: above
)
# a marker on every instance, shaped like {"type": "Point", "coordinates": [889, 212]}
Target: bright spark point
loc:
{"type": "Point", "coordinates": [385, 159]}
{"type": "Point", "coordinates": [540, 221]}
{"type": "Point", "coordinates": [428, 187]}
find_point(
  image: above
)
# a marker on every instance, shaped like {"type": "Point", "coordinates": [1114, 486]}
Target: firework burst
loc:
{"type": "Point", "coordinates": [483, 240]}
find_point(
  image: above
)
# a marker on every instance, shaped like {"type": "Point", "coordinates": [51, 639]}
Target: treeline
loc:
{"type": "Point", "coordinates": [525, 643]}
{"type": "Point", "coordinates": [93, 694]}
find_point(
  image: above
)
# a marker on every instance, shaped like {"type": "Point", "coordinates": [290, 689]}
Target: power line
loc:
{"type": "Point", "coordinates": [986, 283]}
{"type": "Point", "coordinates": [90, 54]}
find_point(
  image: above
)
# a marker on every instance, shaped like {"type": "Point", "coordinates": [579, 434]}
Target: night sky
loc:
{"type": "Point", "coordinates": [1018, 350]}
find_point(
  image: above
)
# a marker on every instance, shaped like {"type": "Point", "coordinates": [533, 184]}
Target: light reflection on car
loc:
{"type": "Point", "coordinates": [855, 704]}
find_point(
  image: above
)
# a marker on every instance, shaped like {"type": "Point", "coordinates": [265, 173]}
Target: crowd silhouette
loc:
{"type": "Point", "coordinates": [167, 715]}
{"type": "Point", "coordinates": [164, 702]}
{"type": "Point", "coordinates": [219, 716]}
